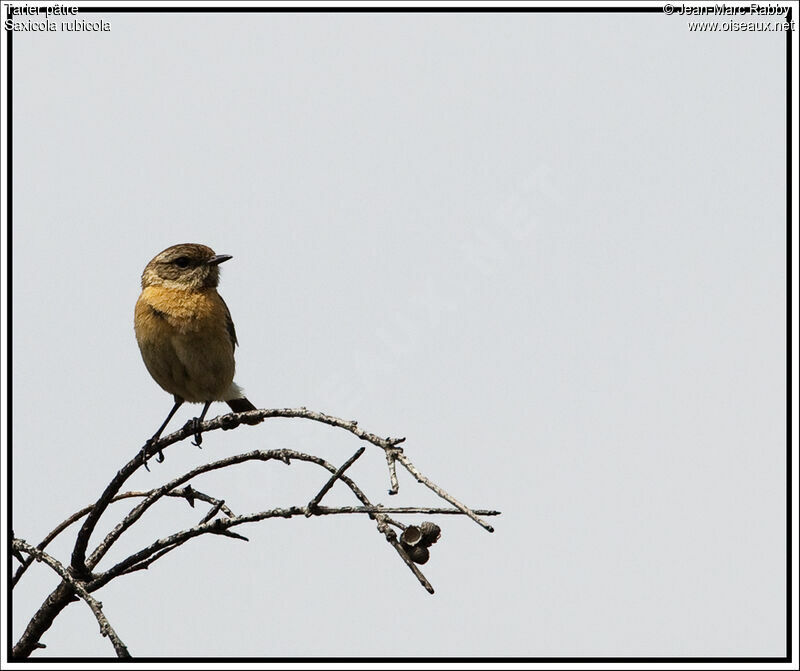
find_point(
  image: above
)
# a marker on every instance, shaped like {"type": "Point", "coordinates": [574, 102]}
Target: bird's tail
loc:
{"type": "Point", "coordinates": [243, 405]}
{"type": "Point", "coordinates": [240, 405]}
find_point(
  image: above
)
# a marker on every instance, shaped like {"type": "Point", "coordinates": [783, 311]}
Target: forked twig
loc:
{"type": "Point", "coordinates": [403, 459]}
{"type": "Point", "coordinates": [178, 493]}
{"type": "Point", "coordinates": [78, 587]}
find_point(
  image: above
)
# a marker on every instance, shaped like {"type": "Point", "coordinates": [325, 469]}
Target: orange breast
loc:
{"type": "Point", "coordinates": [184, 341]}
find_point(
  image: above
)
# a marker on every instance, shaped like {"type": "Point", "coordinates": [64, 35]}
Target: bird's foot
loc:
{"type": "Point", "coordinates": [198, 438]}
{"type": "Point", "coordinates": [146, 448]}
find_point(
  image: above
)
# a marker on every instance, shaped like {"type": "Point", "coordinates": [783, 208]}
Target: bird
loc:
{"type": "Point", "coordinates": [186, 334]}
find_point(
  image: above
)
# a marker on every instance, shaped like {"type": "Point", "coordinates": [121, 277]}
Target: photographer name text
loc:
{"type": "Point", "coordinates": [726, 10]}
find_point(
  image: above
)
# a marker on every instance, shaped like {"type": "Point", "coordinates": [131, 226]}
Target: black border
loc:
{"type": "Point", "coordinates": [361, 660]}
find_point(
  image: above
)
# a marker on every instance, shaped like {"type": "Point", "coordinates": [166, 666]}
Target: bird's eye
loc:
{"type": "Point", "coordinates": [181, 262]}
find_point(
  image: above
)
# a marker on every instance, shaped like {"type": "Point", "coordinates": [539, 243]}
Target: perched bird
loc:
{"type": "Point", "coordinates": [185, 331]}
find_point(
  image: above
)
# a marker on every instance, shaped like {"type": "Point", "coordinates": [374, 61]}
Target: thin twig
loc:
{"type": "Point", "coordinates": [119, 497]}
{"type": "Point", "coordinates": [403, 459]}
{"type": "Point", "coordinates": [146, 563]}
{"type": "Point", "coordinates": [214, 510]}
{"type": "Point", "coordinates": [391, 456]}
{"type": "Point", "coordinates": [326, 487]}
{"type": "Point", "coordinates": [391, 536]}
{"type": "Point", "coordinates": [78, 586]}
{"type": "Point", "coordinates": [346, 510]}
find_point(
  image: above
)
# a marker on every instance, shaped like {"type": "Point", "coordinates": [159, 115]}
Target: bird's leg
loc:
{"type": "Point", "coordinates": [157, 434]}
{"type": "Point", "coordinates": [197, 421]}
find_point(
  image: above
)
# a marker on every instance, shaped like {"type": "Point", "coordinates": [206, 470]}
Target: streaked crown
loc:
{"type": "Point", "coordinates": [188, 266]}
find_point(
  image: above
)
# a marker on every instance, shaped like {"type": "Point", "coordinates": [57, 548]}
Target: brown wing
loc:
{"type": "Point", "coordinates": [229, 323]}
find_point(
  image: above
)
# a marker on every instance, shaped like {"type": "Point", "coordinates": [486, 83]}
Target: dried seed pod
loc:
{"type": "Point", "coordinates": [411, 535]}
{"type": "Point", "coordinates": [430, 533]}
{"type": "Point", "coordinates": [419, 554]}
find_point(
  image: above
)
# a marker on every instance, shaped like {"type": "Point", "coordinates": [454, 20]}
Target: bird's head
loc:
{"type": "Point", "coordinates": [188, 266]}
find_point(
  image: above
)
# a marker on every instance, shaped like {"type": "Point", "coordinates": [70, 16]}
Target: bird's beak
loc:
{"type": "Point", "coordinates": [219, 258]}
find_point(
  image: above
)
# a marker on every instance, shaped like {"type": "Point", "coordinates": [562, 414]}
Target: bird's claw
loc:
{"type": "Point", "coordinates": [143, 452]}
{"type": "Point", "coordinates": [198, 438]}
{"type": "Point", "coordinates": [147, 446]}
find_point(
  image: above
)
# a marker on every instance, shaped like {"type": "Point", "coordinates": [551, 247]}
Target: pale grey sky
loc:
{"type": "Point", "coordinates": [547, 248]}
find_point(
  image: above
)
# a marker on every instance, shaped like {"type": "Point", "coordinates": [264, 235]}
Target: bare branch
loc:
{"type": "Point", "coordinates": [218, 525]}
{"type": "Point", "coordinates": [324, 510]}
{"type": "Point", "coordinates": [215, 526]}
{"type": "Point", "coordinates": [157, 493]}
{"type": "Point", "coordinates": [80, 572]}
{"type": "Point", "coordinates": [97, 608]}
{"type": "Point", "coordinates": [232, 420]}
{"type": "Point", "coordinates": [326, 487]}
{"type": "Point", "coordinates": [226, 422]}
{"type": "Point", "coordinates": [403, 459]}
{"type": "Point", "coordinates": [218, 505]}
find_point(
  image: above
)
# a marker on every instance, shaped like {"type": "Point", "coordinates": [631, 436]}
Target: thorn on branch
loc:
{"type": "Point", "coordinates": [233, 534]}
{"type": "Point", "coordinates": [219, 528]}
{"type": "Point", "coordinates": [188, 494]}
